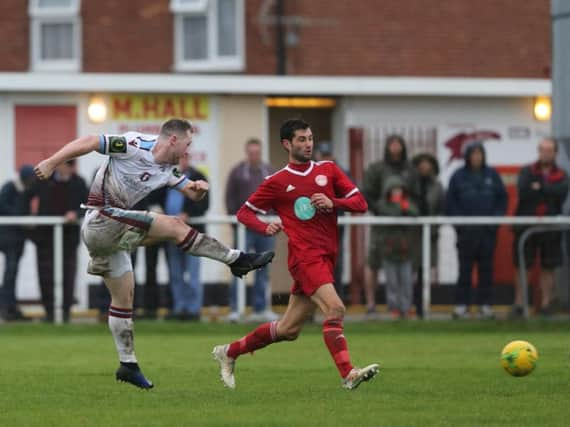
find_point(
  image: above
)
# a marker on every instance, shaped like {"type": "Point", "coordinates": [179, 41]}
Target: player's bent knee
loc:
{"type": "Point", "coordinates": [336, 311]}
{"type": "Point", "coordinates": [176, 223]}
{"type": "Point", "coordinates": [178, 228]}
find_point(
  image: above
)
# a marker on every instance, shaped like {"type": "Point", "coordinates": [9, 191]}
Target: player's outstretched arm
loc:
{"type": "Point", "coordinates": [71, 150]}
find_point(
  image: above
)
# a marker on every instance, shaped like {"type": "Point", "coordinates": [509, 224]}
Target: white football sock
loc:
{"type": "Point", "coordinates": [123, 334]}
{"type": "Point", "coordinates": [200, 244]}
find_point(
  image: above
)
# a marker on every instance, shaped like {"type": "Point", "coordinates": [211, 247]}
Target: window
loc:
{"type": "Point", "coordinates": [208, 35]}
{"type": "Point", "coordinates": [55, 35]}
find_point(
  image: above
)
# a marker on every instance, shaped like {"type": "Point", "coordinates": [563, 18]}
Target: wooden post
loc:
{"type": "Point", "coordinates": [357, 249]}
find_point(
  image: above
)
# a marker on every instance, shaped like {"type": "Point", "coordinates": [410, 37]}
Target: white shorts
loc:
{"type": "Point", "coordinates": [110, 235]}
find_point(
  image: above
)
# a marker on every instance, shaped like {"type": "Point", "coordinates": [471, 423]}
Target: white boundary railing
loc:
{"type": "Point", "coordinates": [554, 223]}
{"type": "Point", "coordinates": [57, 223]}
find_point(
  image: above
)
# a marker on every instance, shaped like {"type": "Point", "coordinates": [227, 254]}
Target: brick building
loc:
{"type": "Point", "coordinates": [237, 68]}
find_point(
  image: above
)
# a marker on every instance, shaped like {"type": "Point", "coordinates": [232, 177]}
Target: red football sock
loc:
{"type": "Point", "coordinates": [262, 336]}
{"type": "Point", "coordinates": [336, 343]}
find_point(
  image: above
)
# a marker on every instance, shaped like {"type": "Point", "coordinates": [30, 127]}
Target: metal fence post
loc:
{"type": "Point", "coordinates": [241, 290]}
{"type": "Point", "coordinates": [426, 269]}
{"type": "Point", "coordinates": [522, 262]}
{"type": "Point", "coordinates": [58, 273]}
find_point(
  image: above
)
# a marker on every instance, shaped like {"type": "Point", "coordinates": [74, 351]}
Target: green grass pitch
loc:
{"type": "Point", "coordinates": [432, 374]}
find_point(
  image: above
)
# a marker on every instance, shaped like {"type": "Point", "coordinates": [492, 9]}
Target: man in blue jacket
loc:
{"type": "Point", "coordinates": [475, 190]}
{"type": "Point", "coordinates": [187, 292]}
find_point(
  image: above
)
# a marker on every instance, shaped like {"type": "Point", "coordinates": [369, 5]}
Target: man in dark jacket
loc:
{"type": "Point", "coordinates": [243, 180]}
{"type": "Point", "coordinates": [475, 190]}
{"type": "Point", "coordinates": [187, 294]}
{"type": "Point", "coordinates": [395, 163]}
{"type": "Point", "coordinates": [61, 195]}
{"type": "Point", "coordinates": [15, 198]}
{"type": "Point", "coordinates": [542, 189]}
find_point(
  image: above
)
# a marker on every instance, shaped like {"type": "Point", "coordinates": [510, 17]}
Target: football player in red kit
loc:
{"type": "Point", "coordinates": [305, 194]}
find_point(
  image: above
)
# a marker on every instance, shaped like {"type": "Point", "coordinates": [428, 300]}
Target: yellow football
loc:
{"type": "Point", "coordinates": [519, 358]}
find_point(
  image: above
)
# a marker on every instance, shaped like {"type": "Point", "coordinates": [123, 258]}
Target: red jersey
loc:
{"type": "Point", "coordinates": [312, 234]}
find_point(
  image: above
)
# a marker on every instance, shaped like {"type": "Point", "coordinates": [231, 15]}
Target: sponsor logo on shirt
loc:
{"type": "Point", "coordinates": [290, 188]}
{"type": "Point", "coordinates": [117, 144]}
{"type": "Point", "coordinates": [321, 180]}
{"type": "Point", "coordinates": [304, 210]}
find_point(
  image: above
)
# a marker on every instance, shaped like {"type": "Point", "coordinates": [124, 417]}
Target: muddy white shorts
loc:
{"type": "Point", "coordinates": [110, 235]}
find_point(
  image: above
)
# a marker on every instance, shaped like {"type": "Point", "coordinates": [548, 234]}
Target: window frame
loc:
{"type": "Point", "coordinates": [54, 15]}
{"type": "Point", "coordinates": [213, 62]}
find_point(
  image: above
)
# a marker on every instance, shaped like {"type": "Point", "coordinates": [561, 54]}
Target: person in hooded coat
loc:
{"type": "Point", "coordinates": [475, 190]}
{"type": "Point", "coordinates": [431, 202]}
{"type": "Point", "coordinates": [394, 164]}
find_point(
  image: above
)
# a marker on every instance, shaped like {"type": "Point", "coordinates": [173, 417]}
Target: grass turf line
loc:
{"type": "Point", "coordinates": [433, 374]}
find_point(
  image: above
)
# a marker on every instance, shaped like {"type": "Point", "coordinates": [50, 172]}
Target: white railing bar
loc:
{"type": "Point", "coordinates": [58, 274]}
{"type": "Point", "coordinates": [345, 220]}
{"type": "Point", "coordinates": [425, 222]}
{"type": "Point", "coordinates": [31, 220]}
{"type": "Point", "coordinates": [241, 289]}
{"type": "Point", "coordinates": [426, 270]}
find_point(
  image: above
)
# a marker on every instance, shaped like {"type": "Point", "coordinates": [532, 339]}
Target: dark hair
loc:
{"type": "Point", "coordinates": [395, 137]}
{"type": "Point", "coordinates": [253, 141]}
{"type": "Point", "coordinates": [388, 156]}
{"type": "Point", "coordinates": [289, 127]}
{"type": "Point", "coordinates": [175, 126]}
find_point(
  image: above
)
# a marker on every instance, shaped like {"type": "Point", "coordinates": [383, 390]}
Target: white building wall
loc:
{"type": "Point", "coordinates": [445, 114]}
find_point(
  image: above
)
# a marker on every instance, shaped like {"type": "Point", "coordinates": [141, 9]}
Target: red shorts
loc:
{"type": "Point", "coordinates": [310, 276]}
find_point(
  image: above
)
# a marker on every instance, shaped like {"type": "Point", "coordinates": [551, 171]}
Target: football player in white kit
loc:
{"type": "Point", "coordinates": [136, 165]}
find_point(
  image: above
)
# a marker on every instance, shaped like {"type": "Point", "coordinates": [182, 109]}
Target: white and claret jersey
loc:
{"type": "Point", "coordinates": [130, 172]}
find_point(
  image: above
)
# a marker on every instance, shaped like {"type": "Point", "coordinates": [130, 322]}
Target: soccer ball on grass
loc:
{"type": "Point", "coordinates": [519, 358]}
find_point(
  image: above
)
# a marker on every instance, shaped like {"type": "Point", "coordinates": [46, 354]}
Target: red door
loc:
{"type": "Point", "coordinates": [41, 130]}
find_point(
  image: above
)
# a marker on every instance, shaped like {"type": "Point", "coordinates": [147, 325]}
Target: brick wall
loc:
{"type": "Point", "coordinates": [14, 35]}
{"type": "Point", "coordinates": [127, 36]}
{"type": "Point", "coordinates": [483, 38]}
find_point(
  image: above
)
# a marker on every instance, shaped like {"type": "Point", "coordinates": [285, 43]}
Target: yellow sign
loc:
{"type": "Point", "coordinates": [159, 107]}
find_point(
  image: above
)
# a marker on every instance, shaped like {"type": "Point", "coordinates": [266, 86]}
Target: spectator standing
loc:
{"type": "Point", "coordinates": [475, 190]}
{"type": "Point", "coordinates": [395, 163]}
{"type": "Point", "coordinates": [542, 189]}
{"type": "Point", "coordinates": [60, 195]}
{"type": "Point", "coordinates": [397, 247]}
{"type": "Point", "coordinates": [15, 198]}
{"type": "Point", "coordinates": [430, 202]}
{"type": "Point", "coordinates": [184, 269]}
{"type": "Point", "coordinates": [243, 180]}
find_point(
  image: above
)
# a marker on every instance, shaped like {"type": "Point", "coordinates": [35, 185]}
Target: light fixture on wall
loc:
{"type": "Point", "coordinates": [97, 110]}
{"type": "Point", "coordinates": [542, 108]}
{"type": "Point", "coordinates": [300, 102]}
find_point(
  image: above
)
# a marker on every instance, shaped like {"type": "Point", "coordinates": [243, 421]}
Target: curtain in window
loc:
{"type": "Point", "coordinates": [54, 3]}
{"type": "Point", "coordinates": [195, 33]}
{"type": "Point", "coordinates": [227, 28]}
{"type": "Point", "coordinates": [57, 41]}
